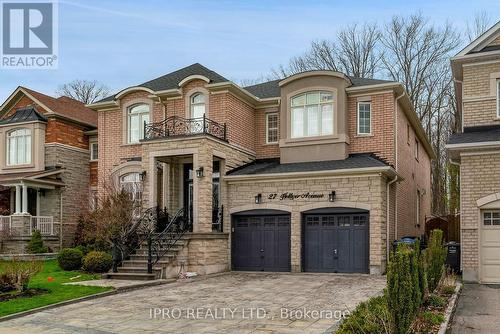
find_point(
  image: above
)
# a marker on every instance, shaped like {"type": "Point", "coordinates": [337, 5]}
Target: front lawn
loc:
{"type": "Point", "coordinates": [57, 292]}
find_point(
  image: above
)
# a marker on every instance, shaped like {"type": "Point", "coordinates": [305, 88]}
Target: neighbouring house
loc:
{"type": "Point", "coordinates": [317, 172]}
{"type": "Point", "coordinates": [476, 74]}
{"type": "Point", "coordinates": [48, 168]}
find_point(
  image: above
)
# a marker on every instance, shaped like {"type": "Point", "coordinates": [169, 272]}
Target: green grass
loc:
{"type": "Point", "coordinates": [57, 291]}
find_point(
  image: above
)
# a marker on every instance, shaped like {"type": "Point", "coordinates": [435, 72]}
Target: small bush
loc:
{"type": "Point", "coordinates": [403, 289]}
{"type": "Point", "coordinates": [433, 318]}
{"type": "Point", "coordinates": [70, 259]}
{"type": "Point", "coordinates": [435, 301]}
{"type": "Point", "coordinates": [422, 271]}
{"type": "Point", "coordinates": [97, 262]}
{"type": "Point", "coordinates": [371, 316]}
{"type": "Point", "coordinates": [35, 245]}
{"type": "Point", "coordinates": [448, 290]}
{"type": "Point", "coordinates": [17, 274]}
{"type": "Point", "coordinates": [435, 258]}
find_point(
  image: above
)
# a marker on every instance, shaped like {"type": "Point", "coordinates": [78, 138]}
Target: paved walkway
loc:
{"type": "Point", "coordinates": [228, 303]}
{"type": "Point", "coordinates": [478, 310]}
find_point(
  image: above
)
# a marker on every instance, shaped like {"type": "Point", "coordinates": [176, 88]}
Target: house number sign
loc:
{"type": "Point", "coordinates": [293, 196]}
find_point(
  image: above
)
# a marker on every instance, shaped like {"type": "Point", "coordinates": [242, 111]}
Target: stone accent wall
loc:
{"type": "Point", "coordinates": [75, 193]}
{"type": "Point", "coordinates": [479, 94]}
{"type": "Point", "coordinates": [208, 254]}
{"type": "Point", "coordinates": [17, 245]}
{"type": "Point", "coordinates": [479, 178]}
{"type": "Point", "coordinates": [364, 192]}
{"type": "Point", "coordinates": [381, 142]}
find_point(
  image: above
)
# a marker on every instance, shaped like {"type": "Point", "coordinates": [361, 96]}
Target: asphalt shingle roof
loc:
{"type": "Point", "coordinates": [171, 80]}
{"type": "Point", "coordinates": [273, 166]}
{"type": "Point", "coordinates": [476, 135]}
{"type": "Point", "coordinates": [28, 114]}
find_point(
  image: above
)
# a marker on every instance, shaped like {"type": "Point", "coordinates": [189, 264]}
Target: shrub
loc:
{"type": "Point", "coordinates": [97, 262]}
{"type": "Point", "coordinates": [435, 258]}
{"type": "Point", "coordinates": [433, 318]}
{"type": "Point", "coordinates": [402, 288]}
{"type": "Point", "coordinates": [422, 271]}
{"type": "Point", "coordinates": [17, 274]}
{"type": "Point", "coordinates": [435, 301]}
{"type": "Point", "coordinates": [448, 289]}
{"type": "Point", "coordinates": [371, 316]}
{"type": "Point", "coordinates": [35, 245]}
{"type": "Point", "coordinates": [70, 259]}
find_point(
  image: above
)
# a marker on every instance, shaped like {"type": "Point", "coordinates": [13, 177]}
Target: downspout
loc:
{"type": "Point", "coordinates": [462, 103]}
{"type": "Point", "coordinates": [61, 219]}
{"type": "Point", "coordinates": [396, 168]}
{"type": "Point", "coordinates": [388, 215]}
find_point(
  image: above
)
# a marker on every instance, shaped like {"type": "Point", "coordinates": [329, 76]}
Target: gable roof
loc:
{"type": "Point", "coordinates": [63, 106]}
{"type": "Point", "coordinates": [172, 79]}
{"type": "Point", "coordinates": [28, 114]}
{"type": "Point", "coordinates": [480, 44]}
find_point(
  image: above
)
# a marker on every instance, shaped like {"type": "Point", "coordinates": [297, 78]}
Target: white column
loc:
{"type": "Point", "coordinates": [18, 198]}
{"type": "Point", "coordinates": [25, 198]}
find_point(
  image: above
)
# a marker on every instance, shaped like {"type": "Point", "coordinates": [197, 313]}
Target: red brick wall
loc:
{"type": "Point", "coordinates": [263, 150]}
{"type": "Point", "coordinates": [382, 140]}
{"type": "Point", "coordinates": [59, 131]}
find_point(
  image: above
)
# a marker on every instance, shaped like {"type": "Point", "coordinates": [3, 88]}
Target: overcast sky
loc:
{"type": "Point", "coordinates": [123, 43]}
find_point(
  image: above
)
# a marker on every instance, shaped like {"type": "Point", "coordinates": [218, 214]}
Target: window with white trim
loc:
{"type": "Point", "coordinates": [19, 147]}
{"type": "Point", "coordinates": [491, 218]}
{"type": "Point", "coordinates": [132, 184]}
{"type": "Point", "coordinates": [364, 118]}
{"type": "Point", "coordinates": [94, 151]}
{"type": "Point", "coordinates": [197, 105]}
{"type": "Point", "coordinates": [312, 114]}
{"type": "Point", "coordinates": [498, 97]}
{"type": "Point", "coordinates": [271, 128]}
{"type": "Point", "coordinates": [137, 115]}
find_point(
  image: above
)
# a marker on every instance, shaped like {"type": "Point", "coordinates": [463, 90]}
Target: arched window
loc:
{"type": "Point", "coordinates": [137, 115]}
{"type": "Point", "coordinates": [312, 114]}
{"type": "Point", "coordinates": [132, 184]}
{"type": "Point", "coordinates": [197, 105]}
{"type": "Point", "coordinates": [19, 147]}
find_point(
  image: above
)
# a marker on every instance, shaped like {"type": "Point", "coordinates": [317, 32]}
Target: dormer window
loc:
{"type": "Point", "coordinates": [312, 114]}
{"type": "Point", "coordinates": [197, 105]}
{"type": "Point", "coordinates": [137, 115]}
{"type": "Point", "coordinates": [19, 147]}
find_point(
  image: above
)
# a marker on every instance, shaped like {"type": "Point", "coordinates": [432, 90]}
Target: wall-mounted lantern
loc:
{"type": "Point", "coordinates": [258, 199]}
{"type": "Point", "coordinates": [199, 172]}
{"type": "Point", "coordinates": [331, 196]}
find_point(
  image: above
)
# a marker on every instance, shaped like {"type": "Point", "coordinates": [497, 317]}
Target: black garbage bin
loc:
{"type": "Point", "coordinates": [453, 256]}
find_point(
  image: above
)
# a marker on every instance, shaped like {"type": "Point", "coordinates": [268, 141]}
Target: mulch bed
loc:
{"type": "Point", "coordinates": [25, 294]}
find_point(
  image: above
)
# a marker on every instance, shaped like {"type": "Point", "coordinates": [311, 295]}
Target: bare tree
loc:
{"type": "Point", "coordinates": [354, 52]}
{"type": "Point", "coordinates": [358, 53]}
{"type": "Point", "coordinates": [478, 25]}
{"type": "Point", "coordinates": [86, 91]}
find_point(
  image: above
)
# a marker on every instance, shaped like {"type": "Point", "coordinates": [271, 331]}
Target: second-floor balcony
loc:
{"type": "Point", "coordinates": [176, 126]}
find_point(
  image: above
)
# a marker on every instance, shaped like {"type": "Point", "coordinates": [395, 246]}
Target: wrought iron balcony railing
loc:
{"type": "Point", "coordinates": [176, 126]}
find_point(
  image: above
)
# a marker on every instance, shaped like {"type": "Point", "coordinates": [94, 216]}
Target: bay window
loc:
{"type": "Point", "coordinates": [19, 147]}
{"type": "Point", "coordinates": [137, 116]}
{"type": "Point", "coordinates": [312, 114]}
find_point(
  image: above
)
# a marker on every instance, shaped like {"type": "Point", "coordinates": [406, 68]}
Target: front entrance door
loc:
{"type": "Point", "coordinates": [336, 242]}
{"type": "Point", "coordinates": [32, 201]}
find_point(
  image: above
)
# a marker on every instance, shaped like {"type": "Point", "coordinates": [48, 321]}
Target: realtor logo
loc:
{"type": "Point", "coordinates": [29, 35]}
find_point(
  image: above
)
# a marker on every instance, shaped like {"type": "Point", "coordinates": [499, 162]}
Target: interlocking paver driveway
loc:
{"type": "Point", "coordinates": [271, 295]}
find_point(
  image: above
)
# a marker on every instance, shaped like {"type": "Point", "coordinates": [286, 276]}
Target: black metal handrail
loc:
{"type": "Point", "coordinates": [175, 126]}
{"type": "Point", "coordinates": [217, 219]}
{"type": "Point", "coordinates": [159, 244]}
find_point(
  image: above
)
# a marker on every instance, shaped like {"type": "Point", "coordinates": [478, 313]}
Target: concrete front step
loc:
{"type": "Point", "coordinates": [131, 276]}
{"type": "Point", "coordinates": [144, 251]}
{"type": "Point", "coordinates": [137, 270]}
{"type": "Point", "coordinates": [140, 257]}
{"type": "Point", "coordinates": [140, 263]}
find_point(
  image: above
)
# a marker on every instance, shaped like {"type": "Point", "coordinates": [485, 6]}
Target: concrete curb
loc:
{"type": "Point", "coordinates": [85, 298]}
{"type": "Point", "coordinates": [450, 310]}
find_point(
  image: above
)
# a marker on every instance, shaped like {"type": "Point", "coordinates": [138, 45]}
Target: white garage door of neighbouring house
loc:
{"type": "Point", "coordinates": [490, 246]}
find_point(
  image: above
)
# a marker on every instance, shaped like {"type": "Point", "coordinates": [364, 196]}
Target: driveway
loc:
{"type": "Point", "coordinates": [227, 303]}
{"type": "Point", "coordinates": [478, 310]}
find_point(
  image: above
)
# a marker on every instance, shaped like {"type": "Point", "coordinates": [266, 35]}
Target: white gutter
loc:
{"type": "Point", "coordinates": [482, 144]}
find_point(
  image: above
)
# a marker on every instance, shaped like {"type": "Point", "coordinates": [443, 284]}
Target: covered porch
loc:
{"type": "Point", "coordinates": [29, 202]}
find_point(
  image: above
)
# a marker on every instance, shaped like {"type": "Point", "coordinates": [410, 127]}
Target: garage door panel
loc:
{"type": "Point", "coordinates": [490, 255]}
{"type": "Point", "coordinates": [263, 245]}
{"type": "Point", "coordinates": [336, 242]}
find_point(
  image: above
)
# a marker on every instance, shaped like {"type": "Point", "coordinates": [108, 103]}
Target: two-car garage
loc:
{"type": "Point", "coordinates": [333, 240]}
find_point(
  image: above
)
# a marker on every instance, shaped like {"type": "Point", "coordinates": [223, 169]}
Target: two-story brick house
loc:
{"type": "Point", "coordinates": [476, 73]}
{"type": "Point", "coordinates": [316, 172]}
{"type": "Point", "coordinates": [46, 172]}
